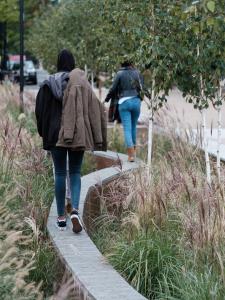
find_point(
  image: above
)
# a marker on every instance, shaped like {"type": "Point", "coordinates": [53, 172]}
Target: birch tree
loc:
{"type": "Point", "coordinates": [203, 68]}
{"type": "Point", "coordinates": [149, 32]}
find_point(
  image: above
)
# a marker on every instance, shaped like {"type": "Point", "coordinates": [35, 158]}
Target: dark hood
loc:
{"type": "Point", "coordinates": [57, 84]}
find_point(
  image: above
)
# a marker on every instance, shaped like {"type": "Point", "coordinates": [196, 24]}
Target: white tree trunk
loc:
{"type": "Point", "coordinates": [150, 126]}
{"type": "Point", "coordinates": [150, 137]}
{"type": "Point", "coordinates": [204, 130]}
{"type": "Point", "coordinates": [218, 135]}
{"type": "Point", "coordinates": [150, 130]}
{"type": "Point", "coordinates": [92, 80]}
{"type": "Point", "coordinates": [205, 146]}
{"type": "Point", "coordinates": [218, 141]}
{"type": "Point", "coordinates": [85, 70]}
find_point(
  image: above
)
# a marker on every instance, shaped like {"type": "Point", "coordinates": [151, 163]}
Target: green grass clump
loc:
{"type": "Point", "coordinates": [192, 284]}
{"type": "Point", "coordinates": [144, 261]}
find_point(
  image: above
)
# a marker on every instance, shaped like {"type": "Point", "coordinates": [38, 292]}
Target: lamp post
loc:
{"type": "Point", "coordinates": [21, 5]}
{"type": "Point", "coordinates": [3, 36]}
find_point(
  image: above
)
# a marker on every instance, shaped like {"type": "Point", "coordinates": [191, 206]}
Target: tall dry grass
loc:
{"type": "Point", "coordinates": [30, 268]}
{"type": "Point", "coordinates": [167, 236]}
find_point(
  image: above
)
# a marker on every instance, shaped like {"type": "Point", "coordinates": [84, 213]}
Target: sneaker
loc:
{"type": "Point", "coordinates": [77, 225]}
{"type": "Point", "coordinates": [61, 224]}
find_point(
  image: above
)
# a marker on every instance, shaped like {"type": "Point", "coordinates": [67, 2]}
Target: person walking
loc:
{"type": "Point", "coordinates": [127, 85]}
{"type": "Point", "coordinates": [70, 120]}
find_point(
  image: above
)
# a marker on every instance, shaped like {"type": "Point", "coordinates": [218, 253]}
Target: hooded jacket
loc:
{"type": "Point", "coordinates": [48, 109]}
{"type": "Point", "coordinates": [83, 124]}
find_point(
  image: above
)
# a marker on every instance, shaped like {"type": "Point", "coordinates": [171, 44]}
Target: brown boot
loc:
{"type": "Point", "coordinates": [131, 154]}
{"type": "Point", "coordinates": [135, 152]}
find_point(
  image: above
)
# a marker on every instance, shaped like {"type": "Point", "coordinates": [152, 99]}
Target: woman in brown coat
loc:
{"type": "Point", "coordinates": [70, 120]}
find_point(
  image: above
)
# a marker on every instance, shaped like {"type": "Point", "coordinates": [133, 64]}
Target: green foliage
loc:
{"type": "Point", "coordinates": [173, 42]}
{"type": "Point", "coordinates": [9, 10]}
{"type": "Point", "coordinates": [10, 14]}
{"type": "Point", "coordinates": [211, 6]}
{"type": "Point", "coordinates": [192, 285]}
{"type": "Point", "coordinates": [70, 25]}
{"type": "Point", "coordinates": [202, 51]}
{"type": "Point", "coordinates": [144, 262]}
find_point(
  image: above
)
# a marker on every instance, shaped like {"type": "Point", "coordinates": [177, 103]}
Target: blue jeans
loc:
{"type": "Point", "coordinates": [59, 156]}
{"type": "Point", "coordinates": [129, 114]}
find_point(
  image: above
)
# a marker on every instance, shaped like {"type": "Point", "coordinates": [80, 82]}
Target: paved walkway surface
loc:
{"type": "Point", "coordinates": [184, 116]}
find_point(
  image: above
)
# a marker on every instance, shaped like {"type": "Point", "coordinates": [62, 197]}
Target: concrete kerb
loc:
{"type": "Point", "coordinates": [94, 276]}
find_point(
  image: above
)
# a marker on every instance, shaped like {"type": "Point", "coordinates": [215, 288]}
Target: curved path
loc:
{"type": "Point", "coordinates": [94, 277]}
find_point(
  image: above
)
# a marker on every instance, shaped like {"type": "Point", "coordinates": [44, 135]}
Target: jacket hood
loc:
{"type": "Point", "coordinates": [57, 84]}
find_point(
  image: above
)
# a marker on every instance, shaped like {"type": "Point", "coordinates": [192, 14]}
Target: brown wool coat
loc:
{"type": "Point", "coordinates": [83, 123]}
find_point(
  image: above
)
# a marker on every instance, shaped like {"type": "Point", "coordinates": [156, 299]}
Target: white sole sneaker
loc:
{"type": "Point", "coordinates": [61, 228]}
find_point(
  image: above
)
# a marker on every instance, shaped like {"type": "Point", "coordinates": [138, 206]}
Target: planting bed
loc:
{"type": "Point", "coordinates": [166, 236]}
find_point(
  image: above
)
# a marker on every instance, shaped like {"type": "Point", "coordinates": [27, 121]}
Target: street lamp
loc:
{"type": "Point", "coordinates": [21, 5]}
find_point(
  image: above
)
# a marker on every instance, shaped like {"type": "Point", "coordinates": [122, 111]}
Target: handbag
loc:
{"type": "Point", "coordinates": [113, 113]}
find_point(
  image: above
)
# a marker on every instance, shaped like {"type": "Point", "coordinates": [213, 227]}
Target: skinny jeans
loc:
{"type": "Point", "coordinates": [75, 158]}
{"type": "Point", "coordinates": [129, 113]}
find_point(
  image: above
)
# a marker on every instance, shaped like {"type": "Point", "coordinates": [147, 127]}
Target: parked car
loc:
{"type": "Point", "coordinates": [30, 74]}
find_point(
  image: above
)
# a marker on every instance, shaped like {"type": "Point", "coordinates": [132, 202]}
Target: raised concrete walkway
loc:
{"type": "Point", "coordinates": [94, 277]}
